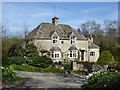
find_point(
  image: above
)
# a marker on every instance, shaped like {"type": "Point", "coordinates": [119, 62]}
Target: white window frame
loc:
{"type": "Point", "coordinates": [55, 55]}
{"type": "Point", "coordinates": [55, 38]}
{"type": "Point", "coordinates": [74, 53]}
{"type": "Point", "coordinates": [92, 53]}
{"type": "Point", "coordinates": [72, 40]}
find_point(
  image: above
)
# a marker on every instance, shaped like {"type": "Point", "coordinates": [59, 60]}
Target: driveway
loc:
{"type": "Point", "coordinates": [48, 80]}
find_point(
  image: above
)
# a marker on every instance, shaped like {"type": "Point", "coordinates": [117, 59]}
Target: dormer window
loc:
{"type": "Point", "coordinates": [55, 40]}
{"type": "Point", "coordinates": [72, 40]}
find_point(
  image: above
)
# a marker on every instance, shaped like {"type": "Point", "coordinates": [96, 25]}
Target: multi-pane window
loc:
{"type": "Point", "coordinates": [92, 53]}
{"type": "Point", "coordinates": [56, 54]}
{"type": "Point", "coordinates": [55, 40]}
{"type": "Point", "coordinates": [73, 54]}
{"type": "Point", "coordinates": [73, 40]}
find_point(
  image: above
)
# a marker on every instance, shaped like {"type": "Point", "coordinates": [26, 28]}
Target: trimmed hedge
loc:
{"type": "Point", "coordinates": [40, 61]}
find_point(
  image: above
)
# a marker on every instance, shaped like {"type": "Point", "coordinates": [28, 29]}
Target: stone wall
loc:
{"type": "Point", "coordinates": [88, 67]}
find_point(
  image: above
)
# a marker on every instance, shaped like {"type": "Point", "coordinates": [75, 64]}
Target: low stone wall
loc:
{"type": "Point", "coordinates": [89, 67]}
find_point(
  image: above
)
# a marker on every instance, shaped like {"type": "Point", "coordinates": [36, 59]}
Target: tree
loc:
{"type": "Point", "coordinates": [106, 58]}
{"type": "Point", "coordinates": [16, 50]}
{"type": "Point", "coordinates": [31, 50]}
{"type": "Point", "coordinates": [79, 30]}
{"type": "Point", "coordinates": [90, 27]}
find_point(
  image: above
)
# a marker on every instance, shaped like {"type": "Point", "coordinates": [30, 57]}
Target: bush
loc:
{"type": "Point", "coordinates": [17, 60]}
{"type": "Point", "coordinates": [106, 58]}
{"type": "Point", "coordinates": [8, 75]}
{"type": "Point", "coordinates": [40, 61]}
{"type": "Point", "coordinates": [104, 79]}
{"type": "Point", "coordinates": [67, 66]}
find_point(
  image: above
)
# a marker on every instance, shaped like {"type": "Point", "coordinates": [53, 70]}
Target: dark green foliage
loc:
{"type": "Point", "coordinates": [40, 61]}
{"type": "Point", "coordinates": [67, 66]}
{"type": "Point", "coordinates": [17, 60]}
{"type": "Point", "coordinates": [5, 60]}
{"type": "Point", "coordinates": [8, 75]}
{"type": "Point", "coordinates": [16, 50]}
{"type": "Point", "coordinates": [115, 51]}
{"type": "Point", "coordinates": [32, 68]}
{"type": "Point", "coordinates": [106, 58]}
{"type": "Point", "coordinates": [31, 50]}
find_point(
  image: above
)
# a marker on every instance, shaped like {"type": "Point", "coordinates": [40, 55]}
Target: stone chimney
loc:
{"type": "Point", "coordinates": [55, 20]}
{"type": "Point", "coordinates": [91, 38]}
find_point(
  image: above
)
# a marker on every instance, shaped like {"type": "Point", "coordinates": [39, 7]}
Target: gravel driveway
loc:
{"type": "Point", "coordinates": [48, 80]}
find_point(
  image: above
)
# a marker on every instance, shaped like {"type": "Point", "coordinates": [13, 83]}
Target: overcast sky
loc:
{"type": "Point", "coordinates": [16, 14]}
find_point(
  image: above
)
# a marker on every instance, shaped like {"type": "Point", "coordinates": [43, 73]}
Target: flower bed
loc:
{"type": "Point", "coordinates": [8, 75]}
{"type": "Point", "coordinates": [103, 79]}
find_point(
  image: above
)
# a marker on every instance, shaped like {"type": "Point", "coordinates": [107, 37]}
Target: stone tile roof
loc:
{"type": "Point", "coordinates": [93, 45]}
{"type": "Point", "coordinates": [45, 30]}
{"type": "Point", "coordinates": [55, 48]}
{"type": "Point", "coordinates": [72, 48]}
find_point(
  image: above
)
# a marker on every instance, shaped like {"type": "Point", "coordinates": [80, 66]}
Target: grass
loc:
{"type": "Point", "coordinates": [81, 72]}
{"type": "Point", "coordinates": [36, 69]}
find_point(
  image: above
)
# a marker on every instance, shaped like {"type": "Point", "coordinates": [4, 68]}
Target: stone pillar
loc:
{"type": "Point", "coordinates": [74, 66]}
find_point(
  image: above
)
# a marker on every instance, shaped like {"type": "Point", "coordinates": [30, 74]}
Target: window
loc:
{"type": "Point", "coordinates": [73, 54]}
{"type": "Point", "coordinates": [92, 53]}
{"type": "Point", "coordinates": [73, 40]}
{"type": "Point", "coordinates": [55, 40]}
{"type": "Point", "coordinates": [56, 54]}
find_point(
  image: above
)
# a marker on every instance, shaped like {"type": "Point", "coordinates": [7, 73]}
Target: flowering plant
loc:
{"type": "Point", "coordinates": [103, 79]}
{"type": "Point", "coordinates": [8, 75]}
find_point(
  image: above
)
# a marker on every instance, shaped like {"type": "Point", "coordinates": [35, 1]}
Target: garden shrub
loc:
{"type": "Point", "coordinates": [106, 58]}
{"type": "Point", "coordinates": [40, 61]}
{"type": "Point", "coordinates": [8, 75]}
{"type": "Point", "coordinates": [104, 79]}
{"type": "Point", "coordinates": [67, 66]}
{"type": "Point", "coordinates": [17, 60]}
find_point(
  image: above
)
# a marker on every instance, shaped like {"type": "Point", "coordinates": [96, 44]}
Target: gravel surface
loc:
{"type": "Point", "coordinates": [48, 80]}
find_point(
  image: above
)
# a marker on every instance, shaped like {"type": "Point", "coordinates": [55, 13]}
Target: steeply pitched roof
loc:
{"type": "Point", "coordinates": [45, 30]}
{"type": "Point", "coordinates": [93, 45]}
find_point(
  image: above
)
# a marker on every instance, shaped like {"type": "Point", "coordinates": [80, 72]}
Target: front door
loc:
{"type": "Point", "coordinates": [82, 55]}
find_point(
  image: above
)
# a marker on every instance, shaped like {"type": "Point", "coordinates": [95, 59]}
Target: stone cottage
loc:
{"type": "Point", "coordinates": [62, 43]}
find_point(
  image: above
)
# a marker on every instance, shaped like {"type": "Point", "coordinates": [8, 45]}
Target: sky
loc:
{"type": "Point", "coordinates": [18, 14]}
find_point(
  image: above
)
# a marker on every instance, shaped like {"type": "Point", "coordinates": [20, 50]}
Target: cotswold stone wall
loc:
{"type": "Point", "coordinates": [88, 67]}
